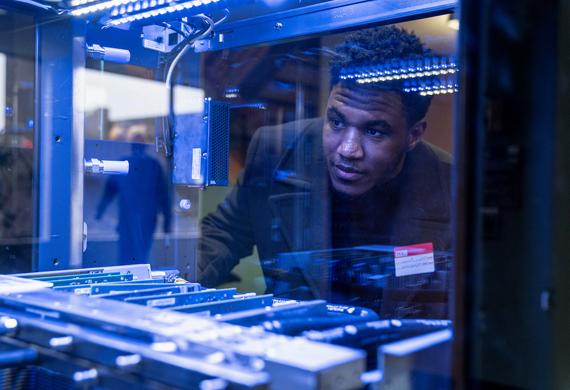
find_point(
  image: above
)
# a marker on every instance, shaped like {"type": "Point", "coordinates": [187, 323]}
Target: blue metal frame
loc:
{"type": "Point", "coordinates": [60, 58]}
{"type": "Point", "coordinates": [329, 16]}
{"type": "Point", "coordinates": [60, 135]}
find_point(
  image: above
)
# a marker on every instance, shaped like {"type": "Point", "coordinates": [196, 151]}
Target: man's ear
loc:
{"type": "Point", "coordinates": [416, 133]}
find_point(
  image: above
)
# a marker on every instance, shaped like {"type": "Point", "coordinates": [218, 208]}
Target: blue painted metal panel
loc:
{"type": "Point", "coordinates": [60, 58]}
{"type": "Point", "coordinates": [328, 16]}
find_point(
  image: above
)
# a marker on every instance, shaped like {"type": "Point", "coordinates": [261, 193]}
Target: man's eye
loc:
{"type": "Point", "coordinates": [375, 133]}
{"type": "Point", "coordinates": [336, 123]}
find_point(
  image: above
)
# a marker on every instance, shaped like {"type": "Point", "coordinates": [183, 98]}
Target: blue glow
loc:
{"type": "Point", "coordinates": [415, 344]}
{"type": "Point", "coordinates": [274, 3]}
{"type": "Point", "coordinates": [100, 6]}
{"type": "Point", "coordinates": [129, 10]}
{"type": "Point", "coordinates": [432, 86]}
{"type": "Point", "coordinates": [402, 69]}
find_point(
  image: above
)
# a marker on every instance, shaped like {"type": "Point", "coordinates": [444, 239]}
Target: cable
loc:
{"type": "Point", "coordinates": [168, 120]}
{"type": "Point", "coordinates": [186, 44]}
{"type": "Point", "coordinates": [223, 18]}
{"type": "Point", "coordinates": [189, 41]}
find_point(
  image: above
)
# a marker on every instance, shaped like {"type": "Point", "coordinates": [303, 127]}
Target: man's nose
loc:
{"type": "Point", "coordinates": [351, 145]}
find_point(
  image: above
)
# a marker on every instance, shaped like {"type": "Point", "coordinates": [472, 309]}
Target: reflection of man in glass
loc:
{"type": "Point", "coordinates": [362, 176]}
{"type": "Point", "coordinates": [143, 194]}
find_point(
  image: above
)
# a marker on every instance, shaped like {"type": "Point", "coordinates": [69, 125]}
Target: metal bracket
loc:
{"type": "Point", "coordinates": [328, 16]}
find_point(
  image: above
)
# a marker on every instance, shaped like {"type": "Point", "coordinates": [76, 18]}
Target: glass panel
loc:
{"type": "Point", "coordinates": [331, 181]}
{"type": "Point", "coordinates": [340, 165]}
{"type": "Point", "coordinates": [336, 148]}
{"type": "Point", "coordinates": [17, 45]}
{"type": "Point", "coordinates": [294, 158]}
{"type": "Point", "coordinates": [139, 217]}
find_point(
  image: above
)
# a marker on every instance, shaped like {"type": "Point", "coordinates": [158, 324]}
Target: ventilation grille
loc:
{"type": "Point", "coordinates": [202, 146]}
{"type": "Point", "coordinates": [218, 143]}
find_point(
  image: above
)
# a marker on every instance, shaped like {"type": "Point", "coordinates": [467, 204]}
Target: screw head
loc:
{"type": "Point", "coordinates": [185, 204]}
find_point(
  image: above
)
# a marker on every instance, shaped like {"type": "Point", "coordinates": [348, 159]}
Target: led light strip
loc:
{"type": "Point", "coordinates": [439, 92]}
{"type": "Point", "coordinates": [403, 76]}
{"type": "Point", "coordinates": [128, 6]}
{"type": "Point", "coordinates": [427, 90]}
{"type": "Point", "coordinates": [138, 6]}
{"type": "Point", "coordinates": [159, 11]}
{"type": "Point", "coordinates": [99, 7]}
{"type": "Point", "coordinates": [410, 69]}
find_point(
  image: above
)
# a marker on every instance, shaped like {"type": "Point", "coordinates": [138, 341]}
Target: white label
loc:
{"type": "Point", "coordinates": [414, 259]}
{"type": "Point", "coordinates": [401, 253]}
{"type": "Point", "coordinates": [149, 44]}
{"type": "Point", "coordinates": [82, 291]}
{"type": "Point", "coordinates": [284, 302]}
{"type": "Point", "coordinates": [161, 302]}
{"type": "Point", "coordinates": [196, 163]}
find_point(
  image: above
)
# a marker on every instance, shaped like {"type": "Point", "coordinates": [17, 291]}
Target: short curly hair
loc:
{"type": "Point", "coordinates": [382, 45]}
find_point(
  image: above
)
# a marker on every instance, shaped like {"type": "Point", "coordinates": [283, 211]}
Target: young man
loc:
{"type": "Point", "coordinates": [360, 176]}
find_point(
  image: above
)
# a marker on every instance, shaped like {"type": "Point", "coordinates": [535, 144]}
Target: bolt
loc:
{"type": "Point", "coordinates": [185, 204]}
{"type": "Point", "coordinates": [278, 26]}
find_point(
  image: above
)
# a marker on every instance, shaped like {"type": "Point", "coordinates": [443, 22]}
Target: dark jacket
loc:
{"type": "Point", "coordinates": [281, 202]}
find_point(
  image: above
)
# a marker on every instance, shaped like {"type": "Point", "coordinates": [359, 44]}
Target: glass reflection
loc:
{"type": "Point", "coordinates": [17, 129]}
{"type": "Point", "coordinates": [337, 205]}
{"type": "Point", "coordinates": [142, 196]}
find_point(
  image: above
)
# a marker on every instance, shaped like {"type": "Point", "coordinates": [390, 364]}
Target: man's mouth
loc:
{"type": "Point", "coordinates": [347, 172]}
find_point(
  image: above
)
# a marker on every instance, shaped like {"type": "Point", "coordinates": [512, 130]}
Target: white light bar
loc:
{"type": "Point", "coordinates": [155, 12]}
{"type": "Point", "coordinates": [439, 92]}
{"type": "Point", "coordinates": [99, 7]}
{"type": "Point", "coordinates": [125, 7]}
{"type": "Point", "coordinates": [403, 76]}
{"type": "Point", "coordinates": [436, 89]}
{"type": "Point", "coordinates": [140, 5]}
{"type": "Point", "coordinates": [401, 70]}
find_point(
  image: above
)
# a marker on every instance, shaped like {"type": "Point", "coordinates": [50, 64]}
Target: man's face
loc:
{"type": "Point", "coordinates": [366, 137]}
